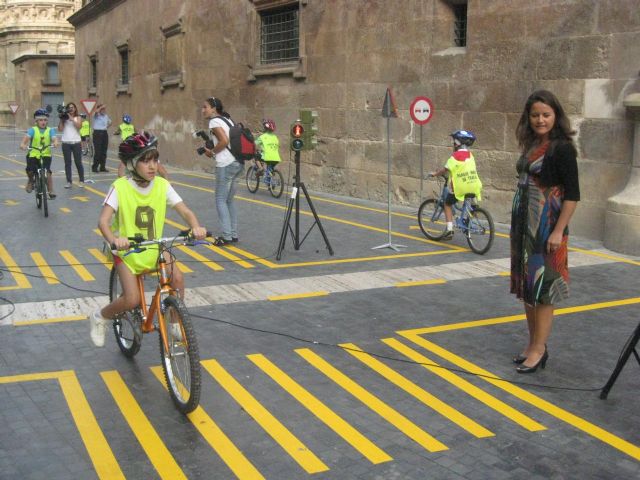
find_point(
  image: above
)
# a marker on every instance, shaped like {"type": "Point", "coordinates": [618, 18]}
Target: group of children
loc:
{"type": "Point", "coordinates": [141, 190]}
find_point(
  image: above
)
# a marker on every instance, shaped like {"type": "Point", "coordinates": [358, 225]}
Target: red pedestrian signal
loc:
{"type": "Point", "coordinates": [297, 130]}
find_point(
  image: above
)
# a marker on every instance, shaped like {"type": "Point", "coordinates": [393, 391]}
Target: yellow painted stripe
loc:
{"type": "Point", "coordinates": [159, 455]}
{"type": "Point", "coordinates": [40, 321]}
{"type": "Point", "coordinates": [44, 267]}
{"type": "Point", "coordinates": [65, 210]}
{"type": "Point", "coordinates": [201, 258]}
{"type": "Point", "coordinates": [230, 256]}
{"type": "Point", "coordinates": [184, 268]}
{"type": "Point", "coordinates": [419, 393]}
{"type": "Point", "coordinates": [8, 172]}
{"type": "Point", "coordinates": [489, 400]}
{"type": "Point", "coordinates": [548, 407]}
{"type": "Point", "coordinates": [253, 257]}
{"type": "Point", "coordinates": [519, 317]}
{"type": "Point", "coordinates": [417, 283]}
{"type": "Point", "coordinates": [102, 258]}
{"type": "Point", "coordinates": [504, 274]}
{"type": "Point", "coordinates": [615, 258]}
{"type": "Point", "coordinates": [75, 264]}
{"type": "Point", "coordinates": [336, 423]}
{"type": "Point", "coordinates": [87, 188]}
{"type": "Point", "coordinates": [14, 270]}
{"type": "Point", "coordinates": [289, 442]}
{"type": "Point", "coordinates": [218, 440]}
{"type": "Point", "coordinates": [390, 414]}
{"type": "Point", "coordinates": [294, 296]}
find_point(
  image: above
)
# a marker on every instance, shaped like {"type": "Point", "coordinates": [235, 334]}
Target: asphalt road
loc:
{"type": "Point", "coordinates": [365, 364]}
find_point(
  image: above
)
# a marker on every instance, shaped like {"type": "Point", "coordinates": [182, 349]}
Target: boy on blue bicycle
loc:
{"type": "Point", "coordinates": [463, 179]}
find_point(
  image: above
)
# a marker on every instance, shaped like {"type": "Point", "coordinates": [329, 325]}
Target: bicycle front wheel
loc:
{"type": "Point", "coordinates": [480, 230]}
{"type": "Point", "coordinates": [180, 358]}
{"type": "Point", "coordinates": [38, 190]}
{"type": "Point", "coordinates": [43, 194]}
{"type": "Point", "coordinates": [253, 180]}
{"type": "Point", "coordinates": [276, 184]}
{"type": "Point", "coordinates": [431, 219]}
{"type": "Point", "coordinates": [128, 325]}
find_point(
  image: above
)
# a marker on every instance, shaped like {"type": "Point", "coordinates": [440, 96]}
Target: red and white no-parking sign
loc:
{"type": "Point", "coordinates": [421, 110]}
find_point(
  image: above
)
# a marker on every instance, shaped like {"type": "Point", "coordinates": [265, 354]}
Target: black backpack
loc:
{"type": "Point", "coordinates": [242, 145]}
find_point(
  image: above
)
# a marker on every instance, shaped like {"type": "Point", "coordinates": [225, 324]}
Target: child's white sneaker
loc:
{"type": "Point", "coordinates": [98, 326]}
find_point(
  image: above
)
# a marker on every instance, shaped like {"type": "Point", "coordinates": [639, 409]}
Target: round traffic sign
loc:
{"type": "Point", "coordinates": [421, 110]}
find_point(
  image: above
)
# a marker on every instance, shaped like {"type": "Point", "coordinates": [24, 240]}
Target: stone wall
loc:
{"type": "Point", "coordinates": [586, 51]}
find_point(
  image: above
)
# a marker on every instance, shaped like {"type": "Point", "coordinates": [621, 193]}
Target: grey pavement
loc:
{"type": "Point", "coordinates": [368, 364]}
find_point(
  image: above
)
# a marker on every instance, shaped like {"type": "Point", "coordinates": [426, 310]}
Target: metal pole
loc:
{"type": "Point", "coordinates": [421, 166]}
{"type": "Point", "coordinates": [389, 179]}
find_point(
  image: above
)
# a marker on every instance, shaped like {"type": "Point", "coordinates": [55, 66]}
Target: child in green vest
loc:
{"type": "Point", "coordinates": [40, 135]}
{"type": "Point", "coordinates": [126, 128]}
{"type": "Point", "coordinates": [462, 175]}
{"type": "Point", "coordinates": [134, 200]}
{"type": "Point", "coordinates": [268, 145]}
{"type": "Point", "coordinates": [85, 133]}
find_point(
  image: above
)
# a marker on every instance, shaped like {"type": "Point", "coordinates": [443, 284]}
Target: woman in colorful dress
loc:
{"type": "Point", "coordinates": [547, 195]}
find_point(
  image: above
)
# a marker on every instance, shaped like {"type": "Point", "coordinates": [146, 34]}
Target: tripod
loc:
{"type": "Point", "coordinates": [295, 198]}
{"type": "Point", "coordinates": [626, 353]}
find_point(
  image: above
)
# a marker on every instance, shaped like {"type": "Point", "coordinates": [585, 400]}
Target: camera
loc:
{"type": "Point", "coordinates": [63, 112]}
{"type": "Point", "coordinates": [208, 143]}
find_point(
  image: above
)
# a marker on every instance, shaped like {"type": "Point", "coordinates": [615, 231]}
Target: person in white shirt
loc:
{"type": "Point", "coordinates": [70, 123]}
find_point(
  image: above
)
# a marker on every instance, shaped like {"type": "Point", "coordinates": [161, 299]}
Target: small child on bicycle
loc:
{"type": "Point", "coordinates": [462, 176]}
{"type": "Point", "coordinates": [139, 203]}
{"type": "Point", "coordinates": [267, 146]}
{"type": "Point", "coordinates": [85, 133]}
{"type": "Point", "coordinates": [39, 136]}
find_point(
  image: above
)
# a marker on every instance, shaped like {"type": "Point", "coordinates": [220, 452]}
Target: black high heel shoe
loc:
{"type": "Point", "coordinates": [518, 359]}
{"type": "Point", "coordinates": [541, 363]}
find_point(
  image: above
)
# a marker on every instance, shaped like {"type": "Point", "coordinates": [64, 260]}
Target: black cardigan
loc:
{"type": "Point", "coordinates": [560, 167]}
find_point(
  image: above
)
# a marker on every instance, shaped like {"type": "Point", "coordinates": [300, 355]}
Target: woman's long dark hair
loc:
{"type": "Point", "coordinates": [561, 131]}
{"type": "Point", "coordinates": [216, 104]}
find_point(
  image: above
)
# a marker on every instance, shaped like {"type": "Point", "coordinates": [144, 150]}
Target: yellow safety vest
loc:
{"type": "Point", "coordinates": [141, 214]}
{"type": "Point", "coordinates": [41, 140]}
{"type": "Point", "coordinates": [126, 130]}
{"type": "Point", "coordinates": [270, 145]}
{"type": "Point", "coordinates": [464, 175]}
{"type": "Point", "coordinates": [85, 128]}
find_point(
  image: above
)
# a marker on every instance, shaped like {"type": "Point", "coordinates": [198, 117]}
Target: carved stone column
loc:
{"type": "Point", "coordinates": [622, 223]}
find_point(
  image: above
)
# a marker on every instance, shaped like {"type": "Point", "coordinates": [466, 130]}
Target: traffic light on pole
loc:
{"type": "Point", "coordinates": [308, 118]}
{"type": "Point", "coordinates": [297, 136]}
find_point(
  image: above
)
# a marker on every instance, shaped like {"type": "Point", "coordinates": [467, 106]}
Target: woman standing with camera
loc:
{"type": "Point", "coordinates": [70, 124]}
{"type": "Point", "coordinates": [228, 169]}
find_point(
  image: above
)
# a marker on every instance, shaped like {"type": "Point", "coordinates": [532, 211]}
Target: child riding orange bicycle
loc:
{"type": "Point", "coordinates": [139, 203]}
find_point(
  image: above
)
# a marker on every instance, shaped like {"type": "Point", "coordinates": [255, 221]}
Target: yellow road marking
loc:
{"type": "Point", "coordinates": [388, 413]}
{"type": "Point", "coordinates": [149, 440]}
{"type": "Point", "coordinates": [417, 392]}
{"type": "Point", "coordinates": [65, 210]}
{"type": "Point", "coordinates": [93, 190]}
{"type": "Point", "coordinates": [553, 410]}
{"type": "Point", "coordinates": [489, 400]}
{"type": "Point", "coordinates": [102, 258]}
{"type": "Point", "coordinates": [331, 419]}
{"type": "Point", "coordinates": [288, 441]}
{"type": "Point", "coordinates": [94, 440]}
{"type": "Point", "coordinates": [201, 258]}
{"type": "Point", "coordinates": [230, 256]}
{"type": "Point", "coordinates": [8, 172]}
{"type": "Point", "coordinates": [14, 270]}
{"type": "Point", "coordinates": [41, 321]}
{"type": "Point", "coordinates": [604, 255]}
{"type": "Point", "coordinates": [417, 283]}
{"type": "Point", "coordinates": [217, 439]}
{"type": "Point", "coordinates": [75, 264]}
{"type": "Point", "coordinates": [253, 257]}
{"type": "Point", "coordinates": [294, 296]}
{"type": "Point", "coordinates": [45, 269]}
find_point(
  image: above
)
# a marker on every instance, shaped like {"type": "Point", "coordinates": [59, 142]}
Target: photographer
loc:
{"type": "Point", "coordinates": [70, 124]}
{"type": "Point", "coordinates": [101, 122]}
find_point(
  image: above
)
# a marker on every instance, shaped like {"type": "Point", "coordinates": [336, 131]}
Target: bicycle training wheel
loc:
{"type": "Point", "coordinates": [128, 325]}
{"type": "Point", "coordinates": [253, 180]}
{"type": "Point", "coordinates": [43, 194]}
{"type": "Point", "coordinates": [481, 231]}
{"type": "Point", "coordinates": [181, 362]}
{"type": "Point", "coordinates": [276, 184]}
{"type": "Point", "coordinates": [431, 219]}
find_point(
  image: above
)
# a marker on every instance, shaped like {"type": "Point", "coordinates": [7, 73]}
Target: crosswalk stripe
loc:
{"type": "Point", "coordinates": [387, 412]}
{"type": "Point", "coordinates": [101, 257]}
{"type": "Point", "coordinates": [289, 442]}
{"type": "Point", "coordinates": [336, 423]}
{"type": "Point", "coordinates": [77, 266]}
{"type": "Point", "coordinates": [216, 267]}
{"type": "Point", "coordinates": [230, 256]}
{"type": "Point", "coordinates": [44, 267]}
{"type": "Point", "coordinates": [14, 270]}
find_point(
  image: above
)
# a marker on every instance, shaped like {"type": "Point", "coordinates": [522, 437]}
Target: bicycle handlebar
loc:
{"type": "Point", "coordinates": [184, 236]}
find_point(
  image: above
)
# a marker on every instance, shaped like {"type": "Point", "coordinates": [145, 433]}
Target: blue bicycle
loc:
{"type": "Point", "coordinates": [473, 221]}
{"type": "Point", "coordinates": [272, 178]}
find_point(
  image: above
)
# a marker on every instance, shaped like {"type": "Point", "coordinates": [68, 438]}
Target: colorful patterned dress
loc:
{"type": "Point", "coordinates": [537, 277]}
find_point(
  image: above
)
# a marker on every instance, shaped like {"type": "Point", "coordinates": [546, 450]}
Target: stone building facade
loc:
{"type": "Point", "coordinates": [34, 31]}
{"type": "Point", "coordinates": [477, 60]}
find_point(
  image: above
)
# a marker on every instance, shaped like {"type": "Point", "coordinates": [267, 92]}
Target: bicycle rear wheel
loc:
{"type": "Point", "coordinates": [253, 180]}
{"type": "Point", "coordinates": [480, 230]}
{"type": "Point", "coordinates": [431, 219]}
{"type": "Point", "coordinates": [128, 325]}
{"type": "Point", "coordinates": [181, 362]}
{"type": "Point", "coordinates": [276, 184]}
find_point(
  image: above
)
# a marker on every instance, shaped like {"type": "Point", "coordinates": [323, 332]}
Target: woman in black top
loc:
{"type": "Point", "coordinates": [547, 195]}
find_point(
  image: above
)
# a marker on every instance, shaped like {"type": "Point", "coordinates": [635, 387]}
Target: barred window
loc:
{"type": "Point", "coordinates": [93, 78]}
{"type": "Point", "coordinates": [52, 73]}
{"type": "Point", "coordinates": [279, 36]}
{"type": "Point", "coordinates": [460, 24]}
{"type": "Point", "coordinates": [124, 66]}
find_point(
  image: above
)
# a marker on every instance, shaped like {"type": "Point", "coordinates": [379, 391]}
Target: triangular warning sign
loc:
{"type": "Point", "coordinates": [14, 107]}
{"type": "Point", "coordinates": [88, 105]}
{"type": "Point", "coordinates": [389, 109]}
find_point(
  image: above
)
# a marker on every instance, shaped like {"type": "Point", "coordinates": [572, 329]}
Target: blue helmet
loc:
{"type": "Point", "coordinates": [41, 113]}
{"type": "Point", "coordinates": [463, 137]}
{"type": "Point", "coordinates": [126, 118]}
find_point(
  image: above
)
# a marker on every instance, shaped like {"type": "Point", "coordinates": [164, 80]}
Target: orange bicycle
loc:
{"type": "Point", "coordinates": [166, 314]}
